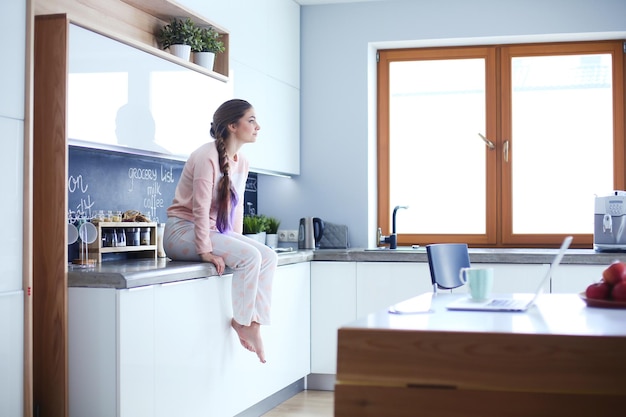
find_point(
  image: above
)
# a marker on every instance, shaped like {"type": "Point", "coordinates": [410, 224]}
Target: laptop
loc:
{"type": "Point", "coordinates": [510, 303]}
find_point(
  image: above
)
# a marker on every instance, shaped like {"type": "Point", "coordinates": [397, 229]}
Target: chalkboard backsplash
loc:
{"type": "Point", "coordinates": [108, 180]}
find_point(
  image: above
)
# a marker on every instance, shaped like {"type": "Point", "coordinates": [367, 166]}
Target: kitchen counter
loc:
{"type": "Point", "coordinates": [477, 255]}
{"type": "Point", "coordinates": [137, 273]}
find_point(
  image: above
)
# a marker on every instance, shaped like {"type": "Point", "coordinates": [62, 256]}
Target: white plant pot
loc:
{"type": "Point", "coordinates": [271, 240]}
{"type": "Point", "coordinates": [181, 51]}
{"type": "Point", "coordinates": [204, 59]}
{"type": "Point", "coordinates": [259, 237]}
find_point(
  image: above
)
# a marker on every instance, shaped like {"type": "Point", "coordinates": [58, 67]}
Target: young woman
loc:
{"type": "Point", "coordinates": [205, 220]}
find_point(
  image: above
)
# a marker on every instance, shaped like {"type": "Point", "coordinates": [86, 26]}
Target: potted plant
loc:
{"type": "Point", "coordinates": [206, 46]}
{"type": "Point", "coordinates": [271, 227]}
{"type": "Point", "coordinates": [253, 226]}
{"type": "Point", "coordinates": [178, 37]}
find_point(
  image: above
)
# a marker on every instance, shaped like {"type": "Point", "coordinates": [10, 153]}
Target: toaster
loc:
{"type": "Point", "coordinates": [610, 222]}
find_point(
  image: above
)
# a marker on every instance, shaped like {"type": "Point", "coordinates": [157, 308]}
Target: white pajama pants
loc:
{"type": "Point", "coordinates": [252, 262]}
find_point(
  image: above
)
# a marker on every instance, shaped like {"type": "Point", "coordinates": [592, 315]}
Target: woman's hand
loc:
{"type": "Point", "coordinates": [218, 261]}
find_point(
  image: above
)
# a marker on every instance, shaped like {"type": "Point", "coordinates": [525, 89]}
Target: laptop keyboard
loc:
{"type": "Point", "coordinates": [503, 302]}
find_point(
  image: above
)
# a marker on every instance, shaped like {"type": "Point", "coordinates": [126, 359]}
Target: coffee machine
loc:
{"type": "Point", "coordinates": [610, 222]}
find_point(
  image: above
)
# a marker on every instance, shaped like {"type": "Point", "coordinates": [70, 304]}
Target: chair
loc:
{"type": "Point", "coordinates": [445, 261]}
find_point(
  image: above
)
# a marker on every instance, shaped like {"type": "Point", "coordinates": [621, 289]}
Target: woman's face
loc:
{"type": "Point", "coordinates": [246, 128]}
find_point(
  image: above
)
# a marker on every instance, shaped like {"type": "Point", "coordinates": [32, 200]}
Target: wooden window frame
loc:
{"type": "Point", "coordinates": [498, 127]}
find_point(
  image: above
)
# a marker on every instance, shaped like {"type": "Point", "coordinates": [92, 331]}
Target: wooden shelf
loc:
{"type": "Point", "coordinates": [96, 249]}
{"type": "Point", "coordinates": [165, 10]}
{"type": "Point", "coordinates": [135, 23]}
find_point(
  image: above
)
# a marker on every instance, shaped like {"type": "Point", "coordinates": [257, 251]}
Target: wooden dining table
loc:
{"type": "Point", "coordinates": [559, 358]}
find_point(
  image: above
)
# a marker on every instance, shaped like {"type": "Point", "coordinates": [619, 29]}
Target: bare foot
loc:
{"type": "Point", "coordinates": [250, 337]}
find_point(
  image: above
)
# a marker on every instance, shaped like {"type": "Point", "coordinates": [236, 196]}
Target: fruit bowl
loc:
{"type": "Point", "coordinates": [592, 302]}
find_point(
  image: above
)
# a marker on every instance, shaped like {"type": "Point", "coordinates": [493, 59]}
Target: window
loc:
{"type": "Point", "coordinates": [499, 145]}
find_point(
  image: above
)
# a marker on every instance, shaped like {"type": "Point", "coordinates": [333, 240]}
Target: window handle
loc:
{"type": "Point", "coordinates": [505, 151]}
{"type": "Point", "coordinates": [489, 143]}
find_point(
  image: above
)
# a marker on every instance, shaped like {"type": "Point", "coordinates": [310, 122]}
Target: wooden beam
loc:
{"type": "Point", "coordinates": [50, 355]}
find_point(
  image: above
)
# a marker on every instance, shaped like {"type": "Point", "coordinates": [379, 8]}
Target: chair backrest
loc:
{"type": "Point", "coordinates": [445, 261]}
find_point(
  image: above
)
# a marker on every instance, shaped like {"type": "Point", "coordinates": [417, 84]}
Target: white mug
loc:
{"type": "Point", "coordinates": [480, 281]}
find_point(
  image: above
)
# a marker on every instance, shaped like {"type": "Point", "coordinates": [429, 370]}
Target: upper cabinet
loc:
{"type": "Point", "coordinates": [127, 99]}
{"type": "Point", "coordinates": [265, 70]}
{"type": "Point", "coordinates": [149, 100]}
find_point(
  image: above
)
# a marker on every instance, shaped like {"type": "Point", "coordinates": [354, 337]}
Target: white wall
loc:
{"type": "Point", "coordinates": [13, 31]}
{"type": "Point", "coordinates": [337, 180]}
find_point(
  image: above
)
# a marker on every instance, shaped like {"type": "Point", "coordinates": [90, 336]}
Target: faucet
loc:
{"type": "Point", "coordinates": [392, 239]}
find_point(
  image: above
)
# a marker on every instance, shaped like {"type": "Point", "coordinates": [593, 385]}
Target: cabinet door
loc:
{"type": "Point", "coordinates": [13, 65]}
{"type": "Point", "coordinates": [278, 147]}
{"type": "Point", "coordinates": [287, 339]}
{"type": "Point", "coordinates": [182, 352]}
{"type": "Point", "coordinates": [382, 284]}
{"type": "Point", "coordinates": [333, 304]}
{"type": "Point", "coordinates": [11, 163]}
{"type": "Point", "coordinates": [135, 351]}
{"type": "Point", "coordinates": [575, 278]}
{"type": "Point", "coordinates": [11, 353]}
{"type": "Point", "coordinates": [92, 352]}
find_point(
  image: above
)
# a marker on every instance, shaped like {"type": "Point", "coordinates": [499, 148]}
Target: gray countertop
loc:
{"type": "Point", "coordinates": [138, 273]}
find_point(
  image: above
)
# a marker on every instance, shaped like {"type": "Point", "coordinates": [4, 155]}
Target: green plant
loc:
{"type": "Point", "coordinates": [179, 32]}
{"type": "Point", "coordinates": [252, 224]}
{"type": "Point", "coordinates": [208, 40]}
{"type": "Point", "coordinates": [272, 225]}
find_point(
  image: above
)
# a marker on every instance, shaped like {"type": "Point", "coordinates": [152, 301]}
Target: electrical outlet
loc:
{"type": "Point", "coordinates": [287, 235]}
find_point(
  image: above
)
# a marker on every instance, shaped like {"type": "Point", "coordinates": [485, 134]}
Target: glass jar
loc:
{"type": "Point", "coordinates": [160, 249]}
{"type": "Point", "coordinates": [132, 236]}
{"type": "Point", "coordinates": [121, 238]}
{"type": "Point", "coordinates": [117, 216]}
{"type": "Point", "coordinates": [110, 238]}
{"type": "Point", "coordinates": [145, 236]}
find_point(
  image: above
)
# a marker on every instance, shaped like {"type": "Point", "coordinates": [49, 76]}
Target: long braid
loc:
{"type": "Point", "coordinates": [224, 189]}
{"type": "Point", "coordinates": [227, 198]}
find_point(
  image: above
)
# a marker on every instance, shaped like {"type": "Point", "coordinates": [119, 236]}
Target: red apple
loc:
{"type": "Point", "coordinates": [598, 291]}
{"type": "Point", "coordinates": [618, 293]}
{"type": "Point", "coordinates": [614, 273]}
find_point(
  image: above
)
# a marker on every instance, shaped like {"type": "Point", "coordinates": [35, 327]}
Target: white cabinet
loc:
{"type": "Point", "coordinates": [168, 349]}
{"type": "Point", "coordinates": [265, 70]}
{"type": "Point", "coordinates": [136, 351]}
{"type": "Point", "coordinates": [185, 342]}
{"type": "Point", "coordinates": [341, 292]}
{"type": "Point", "coordinates": [92, 352]}
{"type": "Point", "coordinates": [333, 304]}
{"type": "Point", "coordinates": [575, 278]}
{"type": "Point", "coordinates": [382, 284]}
{"type": "Point", "coordinates": [11, 353]}
{"type": "Point", "coordinates": [277, 148]}
{"type": "Point", "coordinates": [13, 68]}
{"type": "Point", "coordinates": [11, 168]}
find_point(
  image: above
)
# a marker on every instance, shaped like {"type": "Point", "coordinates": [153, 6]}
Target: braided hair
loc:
{"type": "Point", "coordinates": [228, 113]}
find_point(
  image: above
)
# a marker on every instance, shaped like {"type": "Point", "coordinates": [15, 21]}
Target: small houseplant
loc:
{"type": "Point", "coordinates": [253, 226]}
{"type": "Point", "coordinates": [271, 227]}
{"type": "Point", "coordinates": [179, 36]}
{"type": "Point", "coordinates": [207, 44]}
